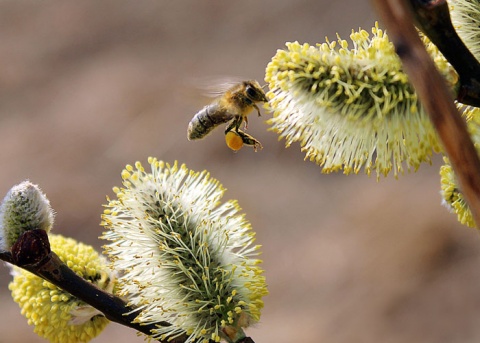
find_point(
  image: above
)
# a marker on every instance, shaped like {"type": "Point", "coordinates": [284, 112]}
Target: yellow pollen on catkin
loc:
{"type": "Point", "coordinates": [55, 314]}
{"type": "Point", "coordinates": [352, 108]}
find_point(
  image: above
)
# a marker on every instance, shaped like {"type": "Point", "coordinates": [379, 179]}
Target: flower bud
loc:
{"type": "Point", "coordinates": [24, 208]}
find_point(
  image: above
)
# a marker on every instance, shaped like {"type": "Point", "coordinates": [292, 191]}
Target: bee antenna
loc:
{"type": "Point", "coordinates": [265, 85]}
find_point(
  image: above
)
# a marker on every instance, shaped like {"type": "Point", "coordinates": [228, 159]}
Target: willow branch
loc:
{"type": "Point", "coordinates": [32, 252]}
{"type": "Point", "coordinates": [434, 95]}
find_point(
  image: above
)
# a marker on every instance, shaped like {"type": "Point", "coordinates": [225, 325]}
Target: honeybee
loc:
{"type": "Point", "coordinates": [232, 107]}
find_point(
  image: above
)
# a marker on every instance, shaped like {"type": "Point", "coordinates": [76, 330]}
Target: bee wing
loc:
{"type": "Point", "coordinates": [215, 86]}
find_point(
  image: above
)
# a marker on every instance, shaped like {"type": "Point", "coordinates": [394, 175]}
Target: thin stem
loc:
{"type": "Point", "coordinates": [434, 95]}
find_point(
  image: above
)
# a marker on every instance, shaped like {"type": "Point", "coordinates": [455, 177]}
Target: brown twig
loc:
{"type": "Point", "coordinates": [32, 252]}
{"type": "Point", "coordinates": [434, 95]}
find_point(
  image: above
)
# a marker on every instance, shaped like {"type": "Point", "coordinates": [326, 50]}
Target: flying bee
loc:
{"type": "Point", "coordinates": [232, 107]}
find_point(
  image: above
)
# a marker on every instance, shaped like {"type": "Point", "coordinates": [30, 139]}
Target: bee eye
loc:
{"type": "Point", "coordinates": [251, 92]}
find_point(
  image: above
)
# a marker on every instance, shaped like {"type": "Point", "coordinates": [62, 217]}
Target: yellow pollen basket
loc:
{"type": "Point", "coordinates": [233, 140]}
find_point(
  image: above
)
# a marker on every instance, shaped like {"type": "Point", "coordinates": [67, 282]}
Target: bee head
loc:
{"type": "Point", "coordinates": [254, 91]}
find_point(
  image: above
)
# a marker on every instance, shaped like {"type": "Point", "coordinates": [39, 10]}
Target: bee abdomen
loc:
{"type": "Point", "coordinates": [206, 120]}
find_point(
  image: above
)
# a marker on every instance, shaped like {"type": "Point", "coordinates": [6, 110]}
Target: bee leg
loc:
{"type": "Point", "coordinates": [246, 124]}
{"type": "Point", "coordinates": [258, 110]}
{"type": "Point", "coordinates": [249, 140]}
{"type": "Point", "coordinates": [234, 124]}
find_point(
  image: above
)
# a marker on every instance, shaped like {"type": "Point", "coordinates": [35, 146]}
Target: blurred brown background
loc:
{"type": "Point", "coordinates": [89, 86]}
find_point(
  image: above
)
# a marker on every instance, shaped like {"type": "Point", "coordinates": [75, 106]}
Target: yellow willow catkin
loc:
{"type": "Point", "coordinates": [351, 107]}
